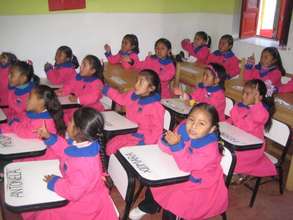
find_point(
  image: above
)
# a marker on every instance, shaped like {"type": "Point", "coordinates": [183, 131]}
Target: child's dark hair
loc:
{"type": "Point", "coordinates": [53, 106]}
{"type": "Point", "coordinates": [220, 72]}
{"type": "Point", "coordinates": [214, 116]}
{"type": "Point", "coordinates": [133, 41]}
{"type": "Point", "coordinates": [203, 35]}
{"type": "Point", "coordinates": [268, 102]}
{"type": "Point", "coordinates": [276, 56]}
{"type": "Point", "coordinates": [91, 124]}
{"type": "Point", "coordinates": [168, 44]}
{"type": "Point", "coordinates": [69, 55]}
{"type": "Point", "coordinates": [26, 69]}
{"type": "Point", "coordinates": [97, 65]}
{"type": "Point", "coordinates": [10, 57]}
{"type": "Point", "coordinates": [153, 78]}
{"type": "Point", "coordinates": [228, 38]}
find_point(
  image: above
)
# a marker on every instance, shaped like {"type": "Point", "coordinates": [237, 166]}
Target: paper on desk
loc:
{"type": "Point", "coordinates": [283, 103]}
{"type": "Point", "coordinates": [118, 80]}
{"type": "Point", "coordinates": [189, 70]}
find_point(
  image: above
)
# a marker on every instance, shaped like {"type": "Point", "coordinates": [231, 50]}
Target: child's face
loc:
{"type": "Point", "coordinates": [267, 59]}
{"type": "Point", "coordinates": [248, 95]}
{"type": "Point", "coordinates": [224, 45]}
{"type": "Point", "coordinates": [198, 41]}
{"type": "Point", "coordinates": [16, 78]}
{"type": "Point", "coordinates": [142, 86]}
{"type": "Point", "coordinates": [3, 59]}
{"type": "Point", "coordinates": [60, 57]}
{"type": "Point", "coordinates": [209, 79]}
{"type": "Point", "coordinates": [86, 68]}
{"type": "Point", "coordinates": [72, 130]}
{"type": "Point", "coordinates": [162, 51]}
{"type": "Point", "coordinates": [126, 45]}
{"type": "Point", "coordinates": [198, 124]}
{"type": "Point", "coordinates": [34, 103]}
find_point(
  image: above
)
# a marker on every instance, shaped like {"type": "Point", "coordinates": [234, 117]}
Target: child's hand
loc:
{"type": "Point", "coordinates": [172, 138]}
{"type": "Point", "coordinates": [251, 60]}
{"type": "Point", "coordinates": [126, 59]}
{"type": "Point", "coordinates": [186, 40]}
{"type": "Point", "coordinates": [48, 66]}
{"type": "Point", "coordinates": [72, 98]}
{"type": "Point", "coordinates": [107, 48]}
{"type": "Point", "coordinates": [178, 91]}
{"type": "Point", "coordinates": [43, 131]}
{"type": "Point", "coordinates": [47, 178]}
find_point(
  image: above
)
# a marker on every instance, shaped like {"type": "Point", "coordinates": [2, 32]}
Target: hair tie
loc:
{"type": "Point", "coordinates": [270, 88]}
{"type": "Point", "coordinates": [211, 68]}
{"type": "Point", "coordinates": [29, 62]}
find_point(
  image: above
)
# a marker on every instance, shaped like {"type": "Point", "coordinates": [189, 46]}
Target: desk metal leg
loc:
{"type": "Point", "coordinates": [129, 196]}
{"type": "Point", "coordinates": [289, 182]}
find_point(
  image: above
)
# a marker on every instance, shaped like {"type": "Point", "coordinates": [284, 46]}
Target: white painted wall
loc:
{"type": "Point", "coordinates": [37, 37]}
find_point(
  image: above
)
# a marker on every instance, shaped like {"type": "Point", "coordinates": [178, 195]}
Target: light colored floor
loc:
{"type": "Point", "coordinates": [264, 42]}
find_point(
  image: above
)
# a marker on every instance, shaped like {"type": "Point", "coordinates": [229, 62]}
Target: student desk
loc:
{"type": "Point", "coordinates": [119, 78]}
{"type": "Point", "coordinates": [188, 73]}
{"type": "Point", "coordinates": [66, 103]}
{"type": "Point", "coordinates": [3, 117]}
{"type": "Point", "coordinates": [13, 147]}
{"type": "Point", "coordinates": [25, 189]}
{"type": "Point", "coordinates": [284, 113]}
{"type": "Point", "coordinates": [151, 166]}
{"type": "Point", "coordinates": [45, 81]}
{"type": "Point", "coordinates": [237, 139]}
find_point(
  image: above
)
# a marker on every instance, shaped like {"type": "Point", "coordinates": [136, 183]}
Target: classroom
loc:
{"type": "Point", "coordinates": [146, 109]}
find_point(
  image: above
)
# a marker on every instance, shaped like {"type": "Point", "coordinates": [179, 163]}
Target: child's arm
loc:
{"type": "Point", "coordinates": [95, 91]}
{"type": "Point", "coordinates": [275, 77]}
{"type": "Point", "coordinates": [232, 66]}
{"type": "Point", "coordinates": [203, 54]}
{"type": "Point", "coordinates": [286, 88]}
{"type": "Point", "coordinates": [116, 96]}
{"type": "Point", "coordinates": [167, 72]}
{"type": "Point", "coordinates": [133, 59]}
{"type": "Point", "coordinates": [186, 44]}
{"type": "Point", "coordinates": [53, 76]}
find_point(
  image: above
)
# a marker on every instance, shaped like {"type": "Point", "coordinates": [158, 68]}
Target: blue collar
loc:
{"type": "Point", "coordinates": [22, 90]}
{"type": "Point", "coordinates": [227, 54]}
{"type": "Point", "coordinates": [200, 142]}
{"type": "Point", "coordinates": [3, 66]}
{"type": "Point", "coordinates": [210, 89]}
{"type": "Point", "coordinates": [78, 77]}
{"type": "Point", "coordinates": [41, 115]}
{"type": "Point", "coordinates": [241, 105]}
{"type": "Point", "coordinates": [264, 71]}
{"type": "Point", "coordinates": [197, 49]}
{"type": "Point", "coordinates": [89, 151]}
{"type": "Point", "coordinates": [67, 64]}
{"type": "Point", "coordinates": [125, 53]}
{"type": "Point", "coordinates": [146, 100]}
{"type": "Point", "coordinates": [164, 61]}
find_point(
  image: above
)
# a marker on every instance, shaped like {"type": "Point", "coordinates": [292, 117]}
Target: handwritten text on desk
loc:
{"type": "Point", "coordinates": [5, 141]}
{"type": "Point", "coordinates": [14, 183]}
{"type": "Point", "coordinates": [138, 163]}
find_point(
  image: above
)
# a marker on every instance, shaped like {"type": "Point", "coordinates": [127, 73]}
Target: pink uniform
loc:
{"type": "Point", "coordinates": [165, 69]}
{"type": "Point", "coordinates": [258, 72]}
{"type": "Point", "coordinates": [4, 72]}
{"type": "Point", "coordinates": [147, 112]}
{"type": "Point", "coordinates": [252, 119]}
{"type": "Point", "coordinates": [286, 88]}
{"type": "Point", "coordinates": [118, 58]}
{"type": "Point", "coordinates": [81, 184]}
{"type": "Point", "coordinates": [25, 127]}
{"type": "Point", "coordinates": [205, 194]}
{"type": "Point", "coordinates": [61, 73]}
{"type": "Point", "coordinates": [17, 98]}
{"type": "Point", "coordinates": [228, 60]}
{"type": "Point", "coordinates": [200, 52]}
{"type": "Point", "coordinates": [213, 95]}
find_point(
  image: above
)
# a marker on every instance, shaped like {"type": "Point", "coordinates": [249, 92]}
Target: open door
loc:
{"type": "Point", "coordinates": [284, 21]}
{"type": "Point", "coordinates": [249, 18]}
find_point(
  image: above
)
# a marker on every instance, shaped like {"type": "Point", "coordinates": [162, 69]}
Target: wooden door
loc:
{"type": "Point", "coordinates": [249, 18]}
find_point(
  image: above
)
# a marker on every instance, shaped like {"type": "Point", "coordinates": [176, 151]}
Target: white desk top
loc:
{"type": "Point", "coordinates": [24, 185]}
{"type": "Point", "coordinates": [237, 137]}
{"type": "Point", "coordinates": [45, 81]}
{"type": "Point", "coordinates": [176, 104]}
{"type": "Point", "coordinates": [65, 101]}
{"type": "Point", "coordinates": [151, 163]}
{"type": "Point", "coordinates": [116, 122]}
{"type": "Point", "coordinates": [2, 115]}
{"type": "Point", "coordinates": [12, 144]}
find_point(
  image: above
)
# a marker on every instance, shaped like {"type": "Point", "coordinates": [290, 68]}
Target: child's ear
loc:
{"type": "Point", "coordinates": [217, 80]}
{"type": "Point", "coordinates": [152, 88]}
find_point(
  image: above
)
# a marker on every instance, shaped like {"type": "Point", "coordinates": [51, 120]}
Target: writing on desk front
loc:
{"type": "Point", "coordinates": [230, 138]}
{"type": "Point", "coordinates": [138, 163]}
{"type": "Point", "coordinates": [5, 141]}
{"type": "Point", "coordinates": [14, 183]}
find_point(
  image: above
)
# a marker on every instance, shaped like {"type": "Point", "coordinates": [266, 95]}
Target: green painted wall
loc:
{"type": "Point", "coordinates": [18, 7]}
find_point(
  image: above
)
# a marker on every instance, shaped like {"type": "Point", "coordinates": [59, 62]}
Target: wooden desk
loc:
{"type": "Point", "coordinates": [284, 113]}
{"type": "Point", "coordinates": [25, 189]}
{"type": "Point", "coordinates": [119, 78]}
{"type": "Point", "coordinates": [188, 73]}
